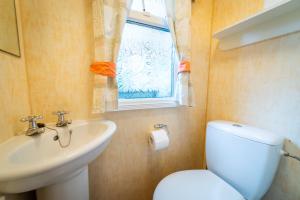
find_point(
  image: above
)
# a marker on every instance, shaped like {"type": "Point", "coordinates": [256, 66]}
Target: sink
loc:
{"type": "Point", "coordinates": [39, 162]}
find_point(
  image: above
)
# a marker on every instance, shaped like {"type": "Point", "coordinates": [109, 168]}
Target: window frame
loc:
{"type": "Point", "coordinates": [145, 19]}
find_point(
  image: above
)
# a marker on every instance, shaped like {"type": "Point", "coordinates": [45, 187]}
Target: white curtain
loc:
{"type": "Point", "coordinates": [109, 18]}
{"type": "Point", "coordinates": [179, 20]}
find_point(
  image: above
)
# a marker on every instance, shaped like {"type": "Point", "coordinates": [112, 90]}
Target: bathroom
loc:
{"type": "Point", "coordinates": [254, 82]}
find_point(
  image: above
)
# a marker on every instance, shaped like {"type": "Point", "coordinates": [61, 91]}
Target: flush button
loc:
{"type": "Point", "coordinates": [237, 125]}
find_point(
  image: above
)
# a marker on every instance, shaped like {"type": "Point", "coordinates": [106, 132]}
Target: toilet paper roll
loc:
{"type": "Point", "coordinates": [159, 139]}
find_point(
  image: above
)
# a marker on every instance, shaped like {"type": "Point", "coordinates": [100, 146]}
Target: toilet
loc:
{"type": "Point", "coordinates": [242, 161]}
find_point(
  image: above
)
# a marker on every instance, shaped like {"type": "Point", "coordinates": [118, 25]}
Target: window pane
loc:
{"type": "Point", "coordinates": [155, 7]}
{"type": "Point", "coordinates": [137, 5]}
{"type": "Point", "coordinates": [145, 63]}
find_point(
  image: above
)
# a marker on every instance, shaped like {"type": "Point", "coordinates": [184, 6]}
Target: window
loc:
{"type": "Point", "coordinates": [146, 58]}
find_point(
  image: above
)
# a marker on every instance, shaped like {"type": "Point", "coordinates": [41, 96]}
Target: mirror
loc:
{"type": "Point", "coordinates": [9, 39]}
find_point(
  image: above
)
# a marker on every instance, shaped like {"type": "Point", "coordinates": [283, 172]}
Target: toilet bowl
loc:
{"type": "Point", "coordinates": [195, 185]}
{"type": "Point", "coordinates": [241, 160]}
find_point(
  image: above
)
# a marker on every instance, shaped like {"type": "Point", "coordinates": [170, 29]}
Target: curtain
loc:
{"type": "Point", "coordinates": [109, 17]}
{"type": "Point", "coordinates": [179, 21]}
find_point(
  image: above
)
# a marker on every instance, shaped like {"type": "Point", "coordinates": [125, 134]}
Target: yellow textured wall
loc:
{"type": "Point", "coordinates": [14, 101]}
{"type": "Point", "coordinates": [58, 42]}
{"type": "Point", "coordinates": [259, 85]}
{"type": "Point", "coordinates": [59, 48]}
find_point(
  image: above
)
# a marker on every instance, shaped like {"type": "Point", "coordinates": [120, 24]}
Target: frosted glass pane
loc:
{"type": "Point", "coordinates": [145, 63]}
{"type": "Point", "coordinates": [155, 7]}
{"type": "Point", "coordinates": [137, 5]}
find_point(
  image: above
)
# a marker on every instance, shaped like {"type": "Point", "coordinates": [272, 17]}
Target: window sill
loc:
{"type": "Point", "coordinates": [138, 104]}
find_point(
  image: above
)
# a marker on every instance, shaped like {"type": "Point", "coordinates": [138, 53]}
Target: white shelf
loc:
{"type": "Point", "coordinates": [278, 20]}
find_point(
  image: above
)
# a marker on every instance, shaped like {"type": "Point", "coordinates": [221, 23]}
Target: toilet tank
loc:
{"type": "Point", "coordinates": [245, 157]}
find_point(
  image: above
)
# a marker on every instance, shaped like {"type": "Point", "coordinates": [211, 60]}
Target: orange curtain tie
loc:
{"type": "Point", "coordinates": [104, 68]}
{"type": "Point", "coordinates": [185, 66]}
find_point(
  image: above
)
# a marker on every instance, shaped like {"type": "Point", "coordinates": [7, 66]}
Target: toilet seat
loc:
{"type": "Point", "coordinates": [195, 185]}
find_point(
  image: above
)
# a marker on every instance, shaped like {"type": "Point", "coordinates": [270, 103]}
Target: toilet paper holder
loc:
{"type": "Point", "coordinates": [159, 137]}
{"type": "Point", "coordinates": [162, 126]}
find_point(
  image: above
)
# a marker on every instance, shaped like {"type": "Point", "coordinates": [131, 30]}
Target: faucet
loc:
{"type": "Point", "coordinates": [61, 121]}
{"type": "Point", "coordinates": [33, 128]}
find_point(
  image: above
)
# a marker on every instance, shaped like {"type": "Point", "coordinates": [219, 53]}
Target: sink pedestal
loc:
{"type": "Point", "coordinates": [74, 187]}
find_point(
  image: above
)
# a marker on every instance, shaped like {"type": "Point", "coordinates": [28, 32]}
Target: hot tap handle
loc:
{"type": "Point", "coordinates": [31, 118]}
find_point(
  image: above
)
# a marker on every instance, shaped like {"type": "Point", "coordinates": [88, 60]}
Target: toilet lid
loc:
{"type": "Point", "coordinates": [195, 185]}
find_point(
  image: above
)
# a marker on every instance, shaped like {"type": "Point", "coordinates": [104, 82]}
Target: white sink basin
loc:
{"type": "Point", "coordinates": [28, 163]}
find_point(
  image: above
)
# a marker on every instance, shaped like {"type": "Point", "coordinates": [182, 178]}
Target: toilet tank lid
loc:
{"type": "Point", "coordinates": [247, 132]}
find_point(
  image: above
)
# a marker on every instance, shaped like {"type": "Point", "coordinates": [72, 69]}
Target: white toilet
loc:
{"type": "Point", "coordinates": [241, 160]}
